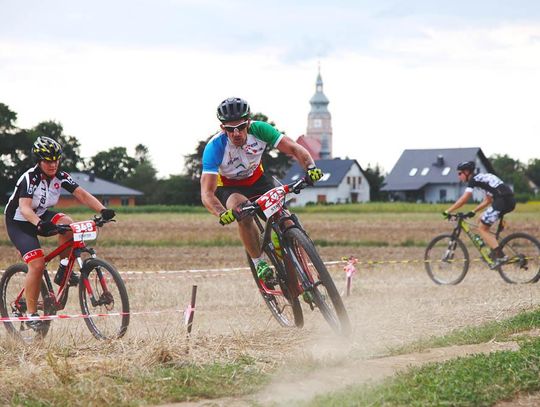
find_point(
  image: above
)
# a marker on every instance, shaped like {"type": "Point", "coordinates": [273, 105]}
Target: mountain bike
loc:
{"type": "Point", "coordinates": [299, 270]}
{"type": "Point", "coordinates": [447, 259]}
{"type": "Point", "coordinates": [101, 290]}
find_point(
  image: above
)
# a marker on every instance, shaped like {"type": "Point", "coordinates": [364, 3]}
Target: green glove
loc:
{"type": "Point", "coordinates": [446, 215]}
{"type": "Point", "coordinates": [226, 217]}
{"type": "Point", "coordinates": [314, 173]}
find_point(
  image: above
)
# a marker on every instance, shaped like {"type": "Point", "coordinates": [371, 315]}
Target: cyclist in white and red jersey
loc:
{"type": "Point", "coordinates": [499, 200]}
{"type": "Point", "coordinates": [232, 171]}
{"type": "Point", "coordinates": [27, 215]}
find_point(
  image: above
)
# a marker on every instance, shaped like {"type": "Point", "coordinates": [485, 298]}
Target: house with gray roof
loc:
{"type": "Point", "coordinates": [430, 175]}
{"type": "Point", "coordinates": [343, 181]}
{"type": "Point", "coordinates": [109, 193]}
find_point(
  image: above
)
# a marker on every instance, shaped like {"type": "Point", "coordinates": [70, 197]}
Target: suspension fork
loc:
{"type": "Point", "coordinates": [84, 277]}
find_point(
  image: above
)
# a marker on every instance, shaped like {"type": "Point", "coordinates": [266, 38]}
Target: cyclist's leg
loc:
{"type": "Point", "coordinates": [489, 217]}
{"type": "Point", "coordinates": [24, 237]}
{"type": "Point", "coordinates": [249, 233]}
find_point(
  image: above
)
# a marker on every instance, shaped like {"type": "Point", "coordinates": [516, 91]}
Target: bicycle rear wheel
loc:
{"type": "Point", "coordinates": [319, 288]}
{"type": "Point", "coordinates": [523, 265]}
{"type": "Point", "coordinates": [284, 308]}
{"type": "Point", "coordinates": [11, 285]}
{"type": "Point", "coordinates": [108, 306]}
{"type": "Point", "coordinates": [446, 260]}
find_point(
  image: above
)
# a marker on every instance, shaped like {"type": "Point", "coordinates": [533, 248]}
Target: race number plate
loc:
{"type": "Point", "coordinates": [272, 201]}
{"type": "Point", "coordinates": [86, 230]}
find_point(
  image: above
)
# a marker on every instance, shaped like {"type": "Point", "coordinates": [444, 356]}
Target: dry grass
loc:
{"type": "Point", "coordinates": [391, 305]}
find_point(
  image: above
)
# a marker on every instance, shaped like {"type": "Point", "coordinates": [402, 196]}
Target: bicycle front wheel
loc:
{"type": "Point", "coordinates": [523, 265]}
{"type": "Point", "coordinates": [319, 288]}
{"type": "Point", "coordinates": [283, 307]}
{"type": "Point", "coordinates": [103, 299]}
{"type": "Point", "coordinates": [446, 260]}
{"type": "Point", "coordinates": [12, 304]}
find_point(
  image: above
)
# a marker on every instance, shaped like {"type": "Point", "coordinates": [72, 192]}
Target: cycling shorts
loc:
{"type": "Point", "coordinates": [500, 206]}
{"type": "Point", "coordinates": [23, 235]}
{"type": "Point", "coordinates": [252, 192]}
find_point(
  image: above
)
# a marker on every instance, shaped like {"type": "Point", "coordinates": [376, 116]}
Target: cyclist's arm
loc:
{"type": "Point", "coordinates": [88, 199]}
{"type": "Point", "coordinates": [208, 188]}
{"type": "Point", "coordinates": [291, 147]}
{"type": "Point", "coordinates": [460, 202]}
{"type": "Point", "coordinates": [25, 205]}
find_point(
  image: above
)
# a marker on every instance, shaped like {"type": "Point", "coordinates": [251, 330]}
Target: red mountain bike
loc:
{"type": "Point", "coordinates": [299, 270]}
{"type": "Point", "coordinates": [101, 290]}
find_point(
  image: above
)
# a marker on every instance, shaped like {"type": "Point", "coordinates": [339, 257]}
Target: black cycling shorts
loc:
{"type": "Point", "coordinates": [23, 235]}
{"type": "Point", "coordinates": [252, 192]}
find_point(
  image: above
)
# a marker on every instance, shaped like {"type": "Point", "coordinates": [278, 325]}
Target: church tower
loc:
{"type": "Point", "coordinates": [319, 120]}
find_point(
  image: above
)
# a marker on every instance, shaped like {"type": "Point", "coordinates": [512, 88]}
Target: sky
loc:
{"type": "Point", "coordinates": [398, 74]}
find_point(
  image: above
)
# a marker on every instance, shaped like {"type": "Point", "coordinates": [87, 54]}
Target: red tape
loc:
{"type": "Point", "coordinates": [65, 316]}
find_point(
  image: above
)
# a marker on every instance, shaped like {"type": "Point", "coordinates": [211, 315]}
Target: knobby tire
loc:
{"type": "Point", "coordinates": [442, 268]}
{"type": "Point", "coordinates": [311, 270]}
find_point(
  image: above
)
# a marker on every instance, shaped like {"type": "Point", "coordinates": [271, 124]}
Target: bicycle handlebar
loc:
{"type": "Point", "coordinates": [459, 215]}
{"type": "Point", "coordinates": [249, 208]}
{"type": "Point", "coordinates": [98, 220]}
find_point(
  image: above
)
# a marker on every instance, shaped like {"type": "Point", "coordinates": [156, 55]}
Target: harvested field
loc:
{"type": "Point", "coordinates": [391, 304]}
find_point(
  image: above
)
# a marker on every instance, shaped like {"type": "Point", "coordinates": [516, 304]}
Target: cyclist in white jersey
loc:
{"type": "Point", "coordinates": [232, 171]}
{"type": "Point", "coordinates": [499, 200]}
{"type": "Point", "coordinates": [27, 215]}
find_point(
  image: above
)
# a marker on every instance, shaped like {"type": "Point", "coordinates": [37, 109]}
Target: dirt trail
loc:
{"type": "Point", "coordinates": [389, 307]}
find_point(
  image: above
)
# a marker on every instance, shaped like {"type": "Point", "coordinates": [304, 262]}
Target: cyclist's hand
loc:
{"type": "Point", "coordinates": [470, 214]}
{"type": "Point", "coordinates": [46, 228]}
{"type": "Point", "coordinates": [314, 174]}
{"type": "Point", "coordinates": [227, 217]}
{"type": "Point", "coordinates": [446, 215]}
{"type": "Point", "coordinates": [107, 214]}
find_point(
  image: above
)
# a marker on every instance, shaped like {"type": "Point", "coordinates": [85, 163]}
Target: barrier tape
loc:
{"type": "Point", "coordinates": [86, 316]}
{"type": "Point", "coordinates": [333, 262]}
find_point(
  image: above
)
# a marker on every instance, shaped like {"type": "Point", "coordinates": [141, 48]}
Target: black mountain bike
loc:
{"type": "Point", "coordinates": [447, 259]}
{"type": "Point", "coordinates": [299, 270]}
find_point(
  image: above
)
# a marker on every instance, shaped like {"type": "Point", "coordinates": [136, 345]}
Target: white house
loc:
{"type": "Point", "coordinates": [343, 181]}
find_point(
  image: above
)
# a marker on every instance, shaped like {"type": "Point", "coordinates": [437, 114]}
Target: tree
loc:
{"type": "Point", "coordinates": [177, 190]}
{"type": "Point", "coordinates": [533, 171]}
{"type": "Point", "coordinates": [113, 165]}
{"type": "Point", "coordinates": [143, 177]}
{"type": "Point", "coordinates": [512, 172]}
{"type": "Point", "coordinates": [375, 178]}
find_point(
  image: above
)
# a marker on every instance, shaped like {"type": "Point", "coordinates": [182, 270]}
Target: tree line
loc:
{"type": "Point", "coordinates": [115, 164]}
{"type": "Point", "coordinates": [138, 172]}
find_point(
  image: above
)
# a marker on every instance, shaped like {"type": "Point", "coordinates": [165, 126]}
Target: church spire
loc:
{"type": "Point", "coordinates": [319, 119]}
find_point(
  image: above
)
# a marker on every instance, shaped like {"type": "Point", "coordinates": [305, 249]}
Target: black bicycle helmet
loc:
{"type": "Point", "coordinates": [232, 109]}
{"type": "Point", "coordinates": [466, 166]}
{"type": "Point", "coordinates": [47, 149]}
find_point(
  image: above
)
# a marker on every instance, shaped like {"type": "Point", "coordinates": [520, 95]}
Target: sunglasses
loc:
{"type": "Point", "coordinates": [239, 127]}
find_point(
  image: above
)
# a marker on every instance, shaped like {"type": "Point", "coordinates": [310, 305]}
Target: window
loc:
{"type": "Point", "coordinates": [442, 195]}
{"type": "Point", "coordinates": [105, 201]}
{"type": "Point", "coordinates": [124, 201]}
{"type": "Point", "coordinates": [413, 172]}
{"type": "Point", "coordinates": [446, 171]}
{"type": "Point", "coordinates": [295, 177]}
{"type": "Point", "coordinates": [325, 176]}
{"type": "Point", "coordinates": [317, 123]}
{"type": "Point", "coordinates": [359, 180]}
{"type": "Point", "coordinates": [348, 180]}
{"type": "Point", "coordinates": [425, 170]}
{"type": "Point", "coordinates": [321, 198]}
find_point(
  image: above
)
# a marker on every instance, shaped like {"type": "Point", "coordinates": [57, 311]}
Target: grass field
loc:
{"type": "Point", "coordinates": [236, 348]}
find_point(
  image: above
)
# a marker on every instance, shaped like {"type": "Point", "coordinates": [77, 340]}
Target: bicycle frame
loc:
{"type": "Point", "coordinates": [483, 249]}
{"type": "Point", "coordinates": [78, 247]}
{"type": "Point", "coordinates": [279, 220]}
